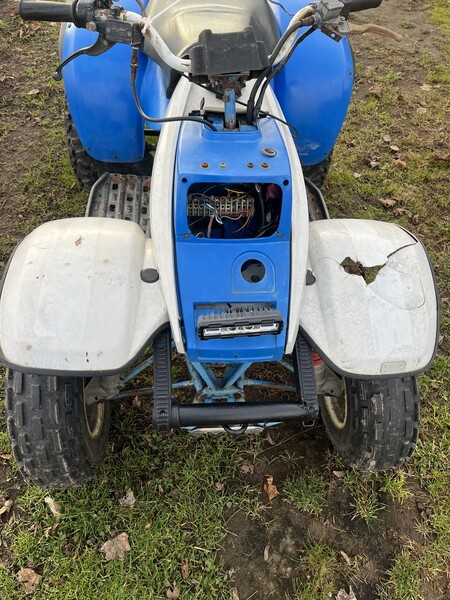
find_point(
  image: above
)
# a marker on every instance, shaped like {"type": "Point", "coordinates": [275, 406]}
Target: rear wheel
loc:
{"type": "Point", "coordinates": [57, 439]}
{"type": "Point", "coordinates": [318, 173]}
{"type": "Point", "coordinates": [374, 424]}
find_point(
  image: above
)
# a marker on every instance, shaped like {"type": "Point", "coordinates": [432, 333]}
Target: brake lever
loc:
{"type": "Point", "coordinates": [100, 46]}
{"type": "Point", "coordinates": [376, 29]}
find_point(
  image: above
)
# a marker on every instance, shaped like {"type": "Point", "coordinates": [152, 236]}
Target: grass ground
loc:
{"type": "Point", "coordinates": [201, 527]}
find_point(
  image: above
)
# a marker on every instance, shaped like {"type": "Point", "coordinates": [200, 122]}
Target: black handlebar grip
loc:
{"type": "Point", "coordinates": [32, 10]}
{"type": "Point", "coordinates": [356, 5]}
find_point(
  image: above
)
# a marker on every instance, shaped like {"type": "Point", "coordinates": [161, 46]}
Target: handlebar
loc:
{"type": "Point", "coordinates": [44, 10]}
{"type": "Point", "coordinates": [356, 5]}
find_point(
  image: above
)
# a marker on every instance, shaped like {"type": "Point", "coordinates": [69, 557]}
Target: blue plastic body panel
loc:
{"type": "Point", "coordinates": [314, 88]}
{"type": "Point", "coordinates": [100, 100]}
{"type": "Point", "coordinates": [209, 270]}
{"type": "Point", "coordinates": [314, 92]}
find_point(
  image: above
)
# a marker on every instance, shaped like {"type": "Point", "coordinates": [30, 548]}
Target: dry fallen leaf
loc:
{"type": "Point", "coordinates": [219, 486]}
{"type": "Point", "coordinates": [115, 549]}
{"type": "Point", "coordinates": [29, 578]}
{"type": "Point", "coordinates": [235, 593]}
{"type": "Point", "coordinates": [6, 507]}
{"type": "Point", "coordinates": [387, 138]}
{"type": "Point", "coordinates": [394, 148]}
{"type": "Point", "coordinates": [33, 92]}
{"type": "Point", "coordinates": [266, 552]}
{"type": "Point", "coordinates": [49, 530]}
{"type": "Point", "coordinates": [375, 91]}
{"type": "Point", "coordinates": [270, 488]}
{"type": "Point", "coordinates": [388, 202]}
{"type": "Point", "coordinates": [357, 175]}
{"type": "Point", "coordinates": [374, 164]}
{"type": "Point", "coordinates": [173, 592]}
{"type": "Point", "coordinates": [54, 507]}
{"type": "Point", "coordinates": [185, 568]}
{"type": "Point", "coordinates": [400, 164]}
{"type": "Point", "coordinates": [398, 212]}
{"type": "Point", "coordinates": [339, 474]}
{"type": "Point", "coordinates": [128, 499]}
{"type": "Point", "coordinates": [9, 456]}
{"type": "Point", "coordinates": [247, 467]}
{"type": "Point", "coordinates": [414, 219]}
{"type": "Point", "coordinates": [270, 439]}
{"type": "Point", "coordinates": [342, 595]}
{"type": "Point", "coordinates": [346, 557]}
{"type": "Point", "coordinates": [421, 110]}
{"type": "Point", "coordinates": [426, 87]}
{"type": "Point", "coordinates": [436, 156]}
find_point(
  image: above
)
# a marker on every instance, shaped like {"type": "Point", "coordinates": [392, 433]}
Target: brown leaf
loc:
{"type": "Point", "coordinates": [394, 148]}
{"type": "Point", "coordinates": [398, 212]}
{"type": "Point", "coordinates": [426, 87]}
{"type": "Point", "coordinates": [374, 164]}
{"type": "Point", "coordinates": [357, 175]}
{"type": "Point", "coordinates": [343, 595]}
{"type": "Point", "coordinates": [270, 488]}
{"type": "Point", "coordinates": [270, 439]}
{"type": "Point", "coordinates": [6, 456]}
{"type": "Point", "coordinates": [49, 530]}
{"type": "Point", "coordinates": [33, 92]}
{"type": "Point", "coordinates": [128, 499]}
{"type": "Point", "coordinates": [78, 241]}
{"type": "Point", "coordinates": [339, 474]}
{"type": "Point", "coordinates": [185, 568]}
{"type": "Point", "coordinates": [421, 110]}
{"type": "Point", "coordinates": [54, 507]}
{"type": "Point", "coordinates": [387, 138]}
{"type": "Point", "coordinates": [7, 505]}
{"type": "Point", "coordinates": [388, 202]}
{"type": "Point", "coordinates": [219, 486]}
{"type": "Point", "coordinates": [266, 552]}
{"type": "Point", "coordinates": [173, 592]}
{"type": "Point", "coordinates": [115, 549]}
{"type": "Point", "coordinates": [247, 467]}
{"type": "Point", "coordinates": [414, 219]}
{"type": "Point", "coordinates": [400, 164]}
{"type": "Point", "coordinates": [346, 557]}
{"type": "Point", "coordinates": [235, 593]}
{"type": "Point", "coordinates": [29, 578]}
{"type": "Point", "coordinates": [375, 91]}
{"type": "Point", "coordinates": [436, 157]}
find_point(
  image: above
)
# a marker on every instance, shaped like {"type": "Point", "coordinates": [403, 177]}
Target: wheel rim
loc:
{"type": "Point", "coordinates": [94, 415]}
{"type": "Point", "coordinates": [337, 408]}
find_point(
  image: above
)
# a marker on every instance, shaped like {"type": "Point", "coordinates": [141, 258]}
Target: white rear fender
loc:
{"type": "Point", "coordinates": [373, 309]}
{"type": "Point", "coordinates": [73, 299]}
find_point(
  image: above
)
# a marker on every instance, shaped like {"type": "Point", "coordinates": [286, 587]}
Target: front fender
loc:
{"type": "Point", "coordinates": [73, 301]}
{"type": "Point", "coordinates": [373, 309]}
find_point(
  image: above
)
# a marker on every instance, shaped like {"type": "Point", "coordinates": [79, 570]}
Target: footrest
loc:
{"type": "Point", "coordinates": [121, 197]}
{"type": "Point", "coordinates": [233, 322]}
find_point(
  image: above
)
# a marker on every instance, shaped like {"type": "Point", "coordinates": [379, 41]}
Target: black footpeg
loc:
{"type": "Point", "coordinates": [305, 380]}
{"type": "Point", "coordinates": [242, 321]}
{"type": "Point", "coordinates": [121, 197]}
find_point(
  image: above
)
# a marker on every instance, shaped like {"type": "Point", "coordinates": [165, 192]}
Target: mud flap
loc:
{"type": "Point", "coordinates": [372, 309]}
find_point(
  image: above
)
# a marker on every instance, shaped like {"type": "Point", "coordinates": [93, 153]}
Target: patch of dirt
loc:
{"type": "Point", "coordinates": [289, 532]}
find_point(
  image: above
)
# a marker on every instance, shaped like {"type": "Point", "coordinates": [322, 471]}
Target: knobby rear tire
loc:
{"type": "Point", "coordinates": [57, 441]}
{"type": "Point", "coordinates": [374, 425]}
